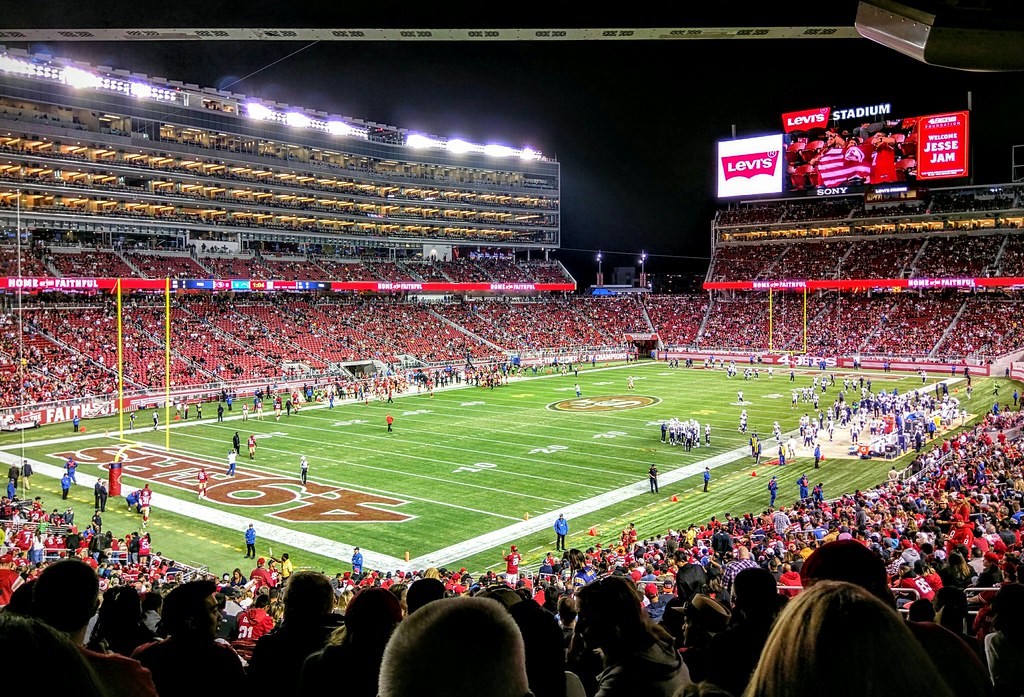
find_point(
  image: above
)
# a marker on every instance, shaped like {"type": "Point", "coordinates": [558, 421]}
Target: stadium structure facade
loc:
{"type": "Point", "coordinates": [114, 156]}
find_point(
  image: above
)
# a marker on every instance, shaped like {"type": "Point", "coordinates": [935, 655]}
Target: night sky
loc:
{"type": "Point", "coordinates": [632, 123]}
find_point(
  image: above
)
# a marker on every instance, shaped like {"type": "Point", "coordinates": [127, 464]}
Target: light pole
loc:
{"type": "Point", "coordinates": [600, 275]}
{"type": "Point", "coordinates": [643, 274]}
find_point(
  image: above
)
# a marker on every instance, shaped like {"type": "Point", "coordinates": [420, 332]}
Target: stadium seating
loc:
{"type": "Point", "coordinates": [171, 265]}
{"type": "Point", "coordinates": [677, 318]}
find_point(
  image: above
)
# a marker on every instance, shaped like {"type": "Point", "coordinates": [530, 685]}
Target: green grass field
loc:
{"type": "Point", "coordinates": [465, 473]}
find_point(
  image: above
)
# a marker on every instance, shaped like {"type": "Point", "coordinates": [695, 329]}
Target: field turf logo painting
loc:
{"type": "Point", "coordinates": [617, 402]}
{"type": "Point", "coordinates": [311, 503]}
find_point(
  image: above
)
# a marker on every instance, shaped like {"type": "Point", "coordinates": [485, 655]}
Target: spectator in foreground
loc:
{"type": "Point", "coordinates": [65, 596]}
{"type": "Point", "coordinates": [852, 562]}
{"type": "Point", "coordinates": [813, 642]}
{"type": "Point", "coordinates": [419, 659]}
{"type": "Point", "coordinates": [638, 656]}
{"type": "Point", "coordinates": [191, 661]}
{"type": "Point", "coordinates": [733, 654]}
{"type": "Point", "coordinates": [1004, 648]}
{"type": "Point", "coordinates": [357, 648]}
{"type": "Point", "coordinates": [307, 624]}
{"type": "Point", "coordinates": [119, 627]}
{"type": "Point", "coordinates": [40, 649]}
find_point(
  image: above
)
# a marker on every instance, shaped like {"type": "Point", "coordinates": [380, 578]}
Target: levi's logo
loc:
{"type": "Point", "coordinates": [804, 120]}
{"type": "Point", "coordinates": [750, 165]}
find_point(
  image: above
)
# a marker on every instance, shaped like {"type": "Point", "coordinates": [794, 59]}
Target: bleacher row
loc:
{"type": "Point", "coordinates": [79, 261]}
{"type": "Point", "coordinates": [994, 253]}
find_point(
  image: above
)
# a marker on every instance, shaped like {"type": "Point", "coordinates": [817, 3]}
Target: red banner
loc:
{"type": "Point", "coordinates": [416, 287]}
{"type": "Point", "coordinates": [96, 285]}
{"type": "Point", "coordinates": [869, 283]}
{"type": "Point", "coordinates": [78, 285]}
{"type": "Point", "coordinates": [942, 146]}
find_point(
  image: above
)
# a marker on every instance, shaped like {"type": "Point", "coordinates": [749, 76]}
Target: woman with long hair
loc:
{"type": "Point", "coordinates": [119, 627]}
{"type": "Point", "coordinates": [238, 579]}
{"type": "Point", "coordinates": [956, 573]}
{"type": "Point", "coordinates": [839, 638]}
{"type": "Point", "coordinates": [637, 656]}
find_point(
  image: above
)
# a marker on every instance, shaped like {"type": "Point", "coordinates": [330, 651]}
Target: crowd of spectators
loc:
{"type": "Point", "coordinates": [986, 327]}
{"type": "Point", "coordinates": [912, 325]}
{"type": "Point", "coordinates": [967, 256]}
{"type": "Point", "coordinates": [677, 318]}
{"type": "Point", "coordinates": [747, 262]}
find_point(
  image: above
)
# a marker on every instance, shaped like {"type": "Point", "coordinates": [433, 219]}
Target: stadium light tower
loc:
{"type": "Point", "coordinates": [643, 275]}
{"type": "Point", "coordinates": [600, 275]}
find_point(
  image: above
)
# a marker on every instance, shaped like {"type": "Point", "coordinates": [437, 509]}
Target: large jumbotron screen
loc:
{"type": "Point", "coordinates": [828, 150]}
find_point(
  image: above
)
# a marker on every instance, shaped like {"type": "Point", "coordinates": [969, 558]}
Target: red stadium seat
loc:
{"type": "Point", "coordinates": [908, 148]}
{"type": "Point", "coordinates": [812, 150]}
{"type": "Point", "coordinates": [903, 168]}
{"type": "Point", "coordinates": [803, 176]}
{"type": "Point", "coordinates": [793, 151]}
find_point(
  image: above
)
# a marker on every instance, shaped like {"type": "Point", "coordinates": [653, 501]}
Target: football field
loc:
{"type": "Point", "coordinates": [464, 473]}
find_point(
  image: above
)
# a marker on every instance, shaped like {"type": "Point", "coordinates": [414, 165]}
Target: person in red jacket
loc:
{"type": "Point", "coordinates": [261, 574]}
{"type": "Point", "coordinates": [961, 534]}
{"type": "Point", "coordinates": [10, 579]}
{"type": "Point", "coordinates": [255, 621]}
{"type": "Point", "coordinates": [789, 578]}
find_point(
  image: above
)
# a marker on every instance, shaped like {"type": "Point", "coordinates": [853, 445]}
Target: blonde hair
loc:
{"type": "Point", "coordinates": [342, 601]}
{"type": "Point", "coordinates": [432, 573]}
{"type": "Point", "coordinates": [814, 639]}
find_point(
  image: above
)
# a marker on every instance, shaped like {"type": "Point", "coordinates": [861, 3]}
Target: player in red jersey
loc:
{"type": "Point", "coordinates": [512, 560]}
{"type": "Point", "coordinates": [252, 447]}
{"type": "Point", "coordinates": [145, 498]}
{"type": "Point", "coordinates": [202, 477]}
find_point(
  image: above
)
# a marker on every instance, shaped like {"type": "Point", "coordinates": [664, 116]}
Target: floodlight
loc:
{"type": "Point", "coordinates": [298, 119]}
{"type": "Point", "coordinates": [255, 110]}
{"type": "Point", "coordinates": [78, 78]}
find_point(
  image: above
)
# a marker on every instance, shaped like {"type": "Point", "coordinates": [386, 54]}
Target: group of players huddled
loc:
{"type": "Point", "coordinates": [685, 433]}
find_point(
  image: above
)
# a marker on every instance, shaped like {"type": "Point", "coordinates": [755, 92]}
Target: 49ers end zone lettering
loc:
{"type": "Point", "coordinates": [605, 403]}
{"type": "Point", "coordinates": [313, 503]}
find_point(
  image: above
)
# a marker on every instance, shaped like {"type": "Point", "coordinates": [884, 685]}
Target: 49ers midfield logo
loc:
{"type": "Point", "coordinates": [609, 403]}
{"type": "Point", "coordinates": [313, 503]}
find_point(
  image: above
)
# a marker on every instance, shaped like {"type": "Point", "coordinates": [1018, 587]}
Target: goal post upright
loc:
{"type": "Point", "coordinates": [770, 320]}
{"type": "Point", "coordinates": [805, 319]}
{"type": "Point", "coordinates": [120, 366]}
{"type": "Point", "coordinates": [167, 363]}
